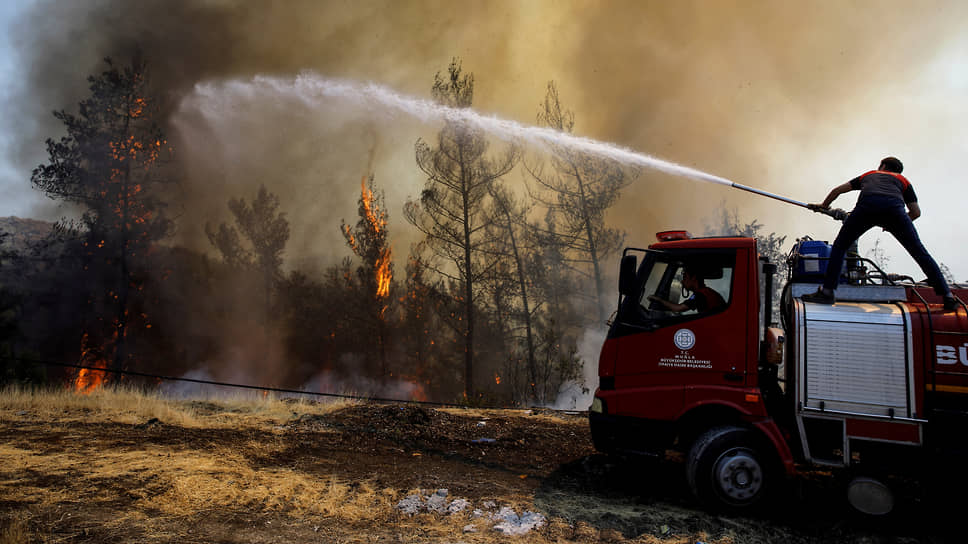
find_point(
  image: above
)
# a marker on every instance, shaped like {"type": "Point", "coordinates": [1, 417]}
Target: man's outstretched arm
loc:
{"type": "Point", "coordinates": [835, 192]}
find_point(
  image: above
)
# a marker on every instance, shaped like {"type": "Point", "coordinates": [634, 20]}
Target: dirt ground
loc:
{"type": "Point", "coordinates": [225, 475]}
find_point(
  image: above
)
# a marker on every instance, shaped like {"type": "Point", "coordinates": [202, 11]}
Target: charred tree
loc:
{"type": "Point", "coordinates": [579, 188]}
{"type": "Point", "coordinates": [109, 165]}
{"type": "Point", "coordinates": [450, 212]}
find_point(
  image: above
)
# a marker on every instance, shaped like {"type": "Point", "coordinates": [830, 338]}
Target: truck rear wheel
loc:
{"type": "Point", "coordinates": [727, 470]}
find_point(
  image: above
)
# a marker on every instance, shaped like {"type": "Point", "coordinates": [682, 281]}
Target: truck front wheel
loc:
{"type": "Point", "coordinates": [726, 469]}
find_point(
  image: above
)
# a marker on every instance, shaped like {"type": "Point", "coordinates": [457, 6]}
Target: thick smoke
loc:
{"type": "Point", "coordinates": [790, 98]}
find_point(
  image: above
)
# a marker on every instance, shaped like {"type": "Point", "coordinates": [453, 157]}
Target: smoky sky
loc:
{"type": "Point", "coordinates": [789, 97]}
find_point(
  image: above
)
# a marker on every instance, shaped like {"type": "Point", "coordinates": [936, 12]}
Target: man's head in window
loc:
{"type": "Point", "coordinates": [703, 298]}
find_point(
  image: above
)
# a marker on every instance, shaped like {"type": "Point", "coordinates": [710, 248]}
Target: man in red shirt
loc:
{"type": "Point", "coordinates": [703, 299]}
{"type": "Point", "coordinates": [884, 194]}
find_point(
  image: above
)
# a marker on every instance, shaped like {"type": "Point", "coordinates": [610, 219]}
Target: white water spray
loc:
{"type": "Point", "coordinates": [315, 90]}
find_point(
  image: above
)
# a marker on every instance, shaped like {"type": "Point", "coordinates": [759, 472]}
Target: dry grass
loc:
{"type": "Point", "coordinates": [128, 405]}
{"type": "Point", "coordinates": [223, 480]}
{"type": "Point", "coordinates": [85, 472]}
{"type": "Point", "coordinates": [167, 481]}
{"type": "Point", "coordinates": [14, 532]}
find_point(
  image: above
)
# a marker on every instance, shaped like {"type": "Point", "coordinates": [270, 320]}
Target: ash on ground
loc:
{"type": "Point", "coordinates": [505, 520]}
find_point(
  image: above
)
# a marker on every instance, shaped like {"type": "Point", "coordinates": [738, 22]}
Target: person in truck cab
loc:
{"type": "Point", "coordinates": [884, 193]}
{"type": "Point", "coordinates": [703, 299]}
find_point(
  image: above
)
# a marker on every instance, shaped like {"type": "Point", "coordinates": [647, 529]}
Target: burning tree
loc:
{"type": "Point", "coordinates": [451, 212]}
{"type": "Point", "coordinates": [582, 188]}
{"type": "Point", "coordinates": [107, 165]}
{"type": "Point", "coordinates": [369, 242]}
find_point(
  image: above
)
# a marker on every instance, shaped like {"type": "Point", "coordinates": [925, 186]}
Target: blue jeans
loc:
{"type": "Point", "coordinates": [891, 215]}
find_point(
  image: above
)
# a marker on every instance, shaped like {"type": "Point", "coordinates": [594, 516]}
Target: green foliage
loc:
{"type": "Point", "coordinates": [557, 357]}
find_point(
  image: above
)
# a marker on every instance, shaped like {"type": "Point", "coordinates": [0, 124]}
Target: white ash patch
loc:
{"type": "Point", "coordinates": [504, 520]}
{"type": "Point", "coordinates": [510, 523]}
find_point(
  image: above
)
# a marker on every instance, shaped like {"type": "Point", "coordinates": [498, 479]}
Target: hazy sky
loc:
{"type": "Point", "coordinates": [789, 97]}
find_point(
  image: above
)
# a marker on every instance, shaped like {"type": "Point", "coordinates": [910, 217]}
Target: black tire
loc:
{"type": "Point", "coordinates": [727, 470]}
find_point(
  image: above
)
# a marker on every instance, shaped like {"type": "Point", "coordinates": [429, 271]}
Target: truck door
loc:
{"type": "Point", "coordinates": [664, 354]}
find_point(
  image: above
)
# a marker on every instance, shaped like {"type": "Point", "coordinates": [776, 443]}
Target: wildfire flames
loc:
{"type": "Point", "coordinates": [418, 394]}
{"type": "Point", "coordinates": [377, 219]}
{"type": "Point", "coordinates": [127, 212]}
{"type": "Point", "coordinates": [87, 380]}
{"type": "Point", "coordinates": [376, 222]}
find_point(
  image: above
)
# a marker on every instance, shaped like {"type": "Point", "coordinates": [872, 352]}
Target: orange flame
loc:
{"type": "Point", "coordinates": [418, 394]}
{"type": "Point", "coordinates": [377, 220]}
{"type": "Point", "coordinates": [87, 379]}
{"type": "Point", "coordinates": [383, 274]}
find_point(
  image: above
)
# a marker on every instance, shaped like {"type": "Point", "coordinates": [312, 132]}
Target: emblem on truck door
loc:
{"type": "Point", "coordinates": [684, 339]}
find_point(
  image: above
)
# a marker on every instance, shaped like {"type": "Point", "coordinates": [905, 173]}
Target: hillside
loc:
{"type": "Point", "coordinates": [23, 233]}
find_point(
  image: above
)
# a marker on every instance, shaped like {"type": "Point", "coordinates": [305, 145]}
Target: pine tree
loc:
{"type": "Point", "coordinates": [369, 241]}
{"type": "Point", "coordinates": [581, 189]}
{"type": "Point", "coordinates": [451, 211]}
{"type": "Point", "coordinates": [266, 232]}
{"type": "Point", "coordinates": [109, 164]}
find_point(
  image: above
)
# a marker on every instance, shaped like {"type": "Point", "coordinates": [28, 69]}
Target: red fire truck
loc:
{"type": "Point", "coordinates": [874, 384]}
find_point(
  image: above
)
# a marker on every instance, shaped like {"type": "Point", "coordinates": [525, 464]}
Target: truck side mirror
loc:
{"type": "Point", "coordinates": [626, 276]}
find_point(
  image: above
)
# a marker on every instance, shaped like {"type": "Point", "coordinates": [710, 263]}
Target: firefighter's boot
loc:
{"type": "Point", "coordinates": [820, 297]}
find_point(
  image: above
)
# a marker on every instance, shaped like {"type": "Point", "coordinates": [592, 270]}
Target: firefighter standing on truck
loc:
{"type": "Point", "coordinates": [884, 193]}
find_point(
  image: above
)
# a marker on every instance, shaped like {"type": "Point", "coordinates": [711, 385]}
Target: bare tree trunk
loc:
{"type": "Point", "coordinates": [592, 249]}
{"type": "Point", "coordinates": [122, 319]}
{"type": "Point", "coordinates": [522, 285]}
{"type": "Point", "coordinates": [468, 297]}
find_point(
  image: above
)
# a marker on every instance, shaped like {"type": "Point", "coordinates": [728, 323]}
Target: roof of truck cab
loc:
{"type": "Point", "coordinates": [712, 242]}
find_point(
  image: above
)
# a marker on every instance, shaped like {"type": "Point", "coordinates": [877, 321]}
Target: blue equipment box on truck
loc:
{"type": "Point", "coordinates": [810, 261]}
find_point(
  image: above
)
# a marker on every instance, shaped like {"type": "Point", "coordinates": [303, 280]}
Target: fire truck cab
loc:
{"type": "Point", "coordinates": [873, 384]}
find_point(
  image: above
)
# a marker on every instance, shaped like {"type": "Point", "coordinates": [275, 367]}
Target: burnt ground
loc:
{"type": "Point", "coordinates": [91, 478]}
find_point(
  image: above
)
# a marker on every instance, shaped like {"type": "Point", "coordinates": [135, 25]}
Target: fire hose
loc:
{"type": "Point", "coordinates": [836, 213]}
